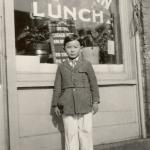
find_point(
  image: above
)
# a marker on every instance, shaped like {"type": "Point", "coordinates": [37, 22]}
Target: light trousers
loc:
{"type": "Point", "coordinates": [78, 132]}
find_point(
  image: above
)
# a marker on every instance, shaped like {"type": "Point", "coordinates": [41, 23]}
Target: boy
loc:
{"type": "Point", "coordinates": [76, 96]}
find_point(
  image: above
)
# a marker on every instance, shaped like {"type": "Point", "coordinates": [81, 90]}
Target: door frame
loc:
{"type": "Point", "coordinates": [10, 59]}
{"type": "Point", "coordinates": [4, 122]}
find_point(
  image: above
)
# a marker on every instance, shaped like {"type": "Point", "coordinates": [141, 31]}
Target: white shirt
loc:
{"type": "Point", "coordinates": [73, 62]}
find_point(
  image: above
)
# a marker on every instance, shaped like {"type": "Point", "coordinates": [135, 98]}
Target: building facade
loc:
{"type": "Point", "coordinates": [112, 35]}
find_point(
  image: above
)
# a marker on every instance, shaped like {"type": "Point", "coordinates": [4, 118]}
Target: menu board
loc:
{"type": "Point", "coordinates": [60, 29]}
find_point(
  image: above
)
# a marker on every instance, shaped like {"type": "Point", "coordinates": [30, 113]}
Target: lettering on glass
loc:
{"type": "Point", "coordinates": [59, 11]}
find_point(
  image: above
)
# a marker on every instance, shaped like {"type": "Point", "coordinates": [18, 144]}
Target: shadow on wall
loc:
{"type": "Point", "coordinates": [58, 123]}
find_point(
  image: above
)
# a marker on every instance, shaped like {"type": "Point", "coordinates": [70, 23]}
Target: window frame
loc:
{"type": "Point", "coordinates": [104, 72]}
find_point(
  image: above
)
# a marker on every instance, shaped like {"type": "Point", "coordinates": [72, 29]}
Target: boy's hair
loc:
{"type": "Point", "coordinates": [71, 37]}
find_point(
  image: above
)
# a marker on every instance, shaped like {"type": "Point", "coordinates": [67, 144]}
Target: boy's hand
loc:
{"type": "Point", "coordinates": [57, 111]}
{"type": "Point", "coordinates": [95, 108]}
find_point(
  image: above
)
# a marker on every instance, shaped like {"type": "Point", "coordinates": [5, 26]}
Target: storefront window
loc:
{"type": "Point", "coordinates": [40, 27]}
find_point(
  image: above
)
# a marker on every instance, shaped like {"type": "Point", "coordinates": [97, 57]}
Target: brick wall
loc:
{"type": "Point", "coordinates": [146, 52]}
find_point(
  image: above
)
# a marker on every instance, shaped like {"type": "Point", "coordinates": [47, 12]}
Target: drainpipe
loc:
{"type": "Point", "coordinates": [140, 87]}
{"type": "Point", "coordinates": [140, 83]}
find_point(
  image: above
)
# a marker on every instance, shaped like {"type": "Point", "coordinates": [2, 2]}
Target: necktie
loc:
{"type": "Point", "coordinates": [73, 63]}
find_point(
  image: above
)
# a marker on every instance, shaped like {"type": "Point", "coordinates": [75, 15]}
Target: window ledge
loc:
{"type": "Point", "coordinates": [121, 82]}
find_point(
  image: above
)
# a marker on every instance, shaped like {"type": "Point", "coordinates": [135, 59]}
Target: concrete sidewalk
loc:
{"type": "Point", "coordinates": [139, 144]}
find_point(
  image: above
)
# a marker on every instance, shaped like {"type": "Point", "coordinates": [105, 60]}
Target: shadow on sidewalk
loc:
{"type": "Point", "coordinates": [139, 144]}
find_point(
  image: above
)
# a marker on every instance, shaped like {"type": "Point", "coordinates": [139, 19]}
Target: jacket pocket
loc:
{"type": "Point", "coordinates": [82, 70]}
{"type": "Point", "coordinates": [65, 97]}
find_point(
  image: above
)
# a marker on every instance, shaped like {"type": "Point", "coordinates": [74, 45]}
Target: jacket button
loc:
{"type": "Point", "coordinates": [74, 89]}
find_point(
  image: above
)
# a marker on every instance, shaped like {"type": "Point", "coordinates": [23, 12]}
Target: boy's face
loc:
{"type": "Point", "coordinates": [73, 49]}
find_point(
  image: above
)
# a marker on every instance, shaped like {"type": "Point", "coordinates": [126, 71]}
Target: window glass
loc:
{"type": "Point", "coordinates": [41, 25]}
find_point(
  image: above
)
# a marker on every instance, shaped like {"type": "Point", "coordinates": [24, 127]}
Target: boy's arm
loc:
{"type": "Point", "coordinates": [93, 84]}
{"type": "Point", "coordinates": [57, 88]}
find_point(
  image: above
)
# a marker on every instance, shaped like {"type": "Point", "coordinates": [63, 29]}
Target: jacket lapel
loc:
{"type": "Point", "coordinates": [79, 63]}
{"type": "Point", "coordinates": [66, 64]}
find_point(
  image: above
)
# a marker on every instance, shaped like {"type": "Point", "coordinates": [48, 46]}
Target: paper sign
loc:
{"type": "Point", "coordinates": [111, 47]}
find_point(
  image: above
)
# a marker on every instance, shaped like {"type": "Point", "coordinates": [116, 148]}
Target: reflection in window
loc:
{"type": "Point", "coordinates": [41, 31]}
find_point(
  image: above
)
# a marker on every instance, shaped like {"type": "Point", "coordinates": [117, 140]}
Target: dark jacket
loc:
{"type": "Point", "coordinates": [75, 89]}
